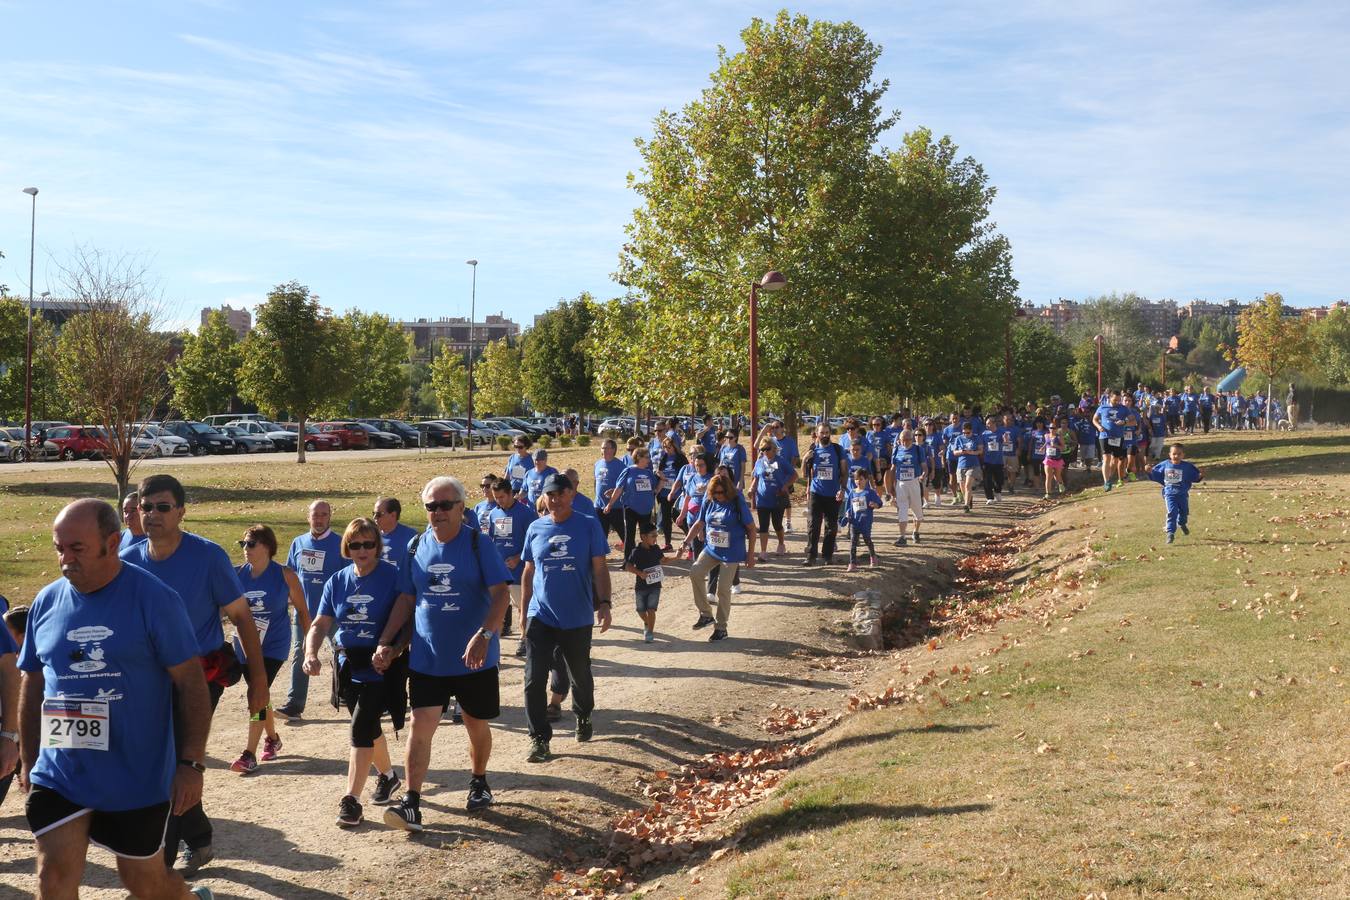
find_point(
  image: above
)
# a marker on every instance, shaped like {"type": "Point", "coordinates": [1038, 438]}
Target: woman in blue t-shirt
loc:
{"type": "Point", "coordinates": [769, 493]}
{"type": "Point", "coordinates": [728, 531]}
{"type": "Point", "coordinates": [356, 604]}
{"type": "Point", "coordinates": [270, 589]}
{"type": "Point", "coordinates": [687, 494]}
{"type": "Point", "coordinates": [667, 464]}
{"type": "Point", "coordinates": [636, 487]}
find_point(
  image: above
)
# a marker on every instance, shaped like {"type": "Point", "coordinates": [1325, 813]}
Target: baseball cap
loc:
{"type": "Point", "coordinates": [556, 481]}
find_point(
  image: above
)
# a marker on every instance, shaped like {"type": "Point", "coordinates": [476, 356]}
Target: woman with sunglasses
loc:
{"type": "Point", "coordinates": [687, 493]}
{"type": "Point", "coordinates": [768, 495]}
{"type": "Point", "coordinates": [488, 484]}
{"type": "Point", "coordinates": [667, 463]}
{"type": "Point", "coordinates": [269, 588]}
{"type": "Point", "coordinates": [357, 601]}
{"type": "Point", "coordinates": [518, 465]}
{"type": "Point", "coordinates": [728, 530]}
{"type": "Point", "coordinates": [636, 487]}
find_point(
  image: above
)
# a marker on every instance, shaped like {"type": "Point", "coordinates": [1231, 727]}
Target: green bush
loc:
{"type": "Point", "coordinates": [565, 440]}
{"type": "Point", "coordinates": [583, 440]}
{"type": "Point", "coordinates": [504, 441]}
{"type": "Point", "coordinates": [545, 441]}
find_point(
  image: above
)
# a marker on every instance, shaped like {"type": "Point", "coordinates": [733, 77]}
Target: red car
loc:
{"type": "Point", "coordinates": [319, 440]}
{"type": "Point", "coordinates": [351, 434]}
{"type": "Point", "coordinates": [78, 441]}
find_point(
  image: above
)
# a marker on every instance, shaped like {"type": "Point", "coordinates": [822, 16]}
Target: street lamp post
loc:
{"type": "Point", "coordinates": [28, 348]}
{"type": "Point", "coordinates": [1098, 341]}
{"type": "Point", "coordinates": [473, 297]}
{"type": "Point", "coordinates": [771, 281]}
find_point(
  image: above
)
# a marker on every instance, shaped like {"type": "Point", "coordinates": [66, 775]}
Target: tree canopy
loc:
{"type": "Point", "coordinates": [448, 379]}
{"type": "Point", "coordinates": [205, 376]}
{"type": "Point", "coordinates": [555, 372]}
{"type": "Point", "coordinates": [381, 387]}
{"type": "Point", "coordinates": [497, 379]}
{"type": "Point", "coordinates": [1270, 344]}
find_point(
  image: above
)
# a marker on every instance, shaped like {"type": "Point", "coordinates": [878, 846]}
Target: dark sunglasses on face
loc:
{"type": "Point", "coordinates": [248, 545]}
{"type": "Point", "coordinates": [156, 507]}
{"type": "Point", "coordinates": [446, 505]}
{"type": "Point", "coordinates": [363, 545]}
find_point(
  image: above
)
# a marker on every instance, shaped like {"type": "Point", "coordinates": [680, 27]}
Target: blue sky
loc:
{"type": "Point", "coordinates": [367, 150]}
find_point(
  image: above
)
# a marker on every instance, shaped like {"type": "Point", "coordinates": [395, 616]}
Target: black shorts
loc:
{"type": "Point", "coordinates": [476, 692]}
{"type": "Point", "coordinates": [131, 833]}
{"type": "Point", "coordinates": [1119, 451]}
{"type": "Point", "coordinates": [769, 518]}
{"type": "Point", "coordinates": [273, 666]}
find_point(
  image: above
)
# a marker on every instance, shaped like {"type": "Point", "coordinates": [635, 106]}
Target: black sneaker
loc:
{"type": "Point", "coordinates": [584, 730]}
{"type": "Point", "coordinates": [539, 751]}
{"type": "Point", "coordinates": [349, 812]}
{"type": "Point", "coordinates": [480, 795]}
{"type": "Point", "coordinates": [719, 634]}
{"type": "Point", "coordinates": [520, 648]}
{"type": "Point", "coordinates": [809, 561]}
{"type": "Point", "coordinates": [916, 537]}
{"type": "Point", "coordinates": [385, 787]}
{"type": "Point", "coordinates": [1184, 529]}
{"type": "Point", "coordinates": [703, 622]}
{"type": "Point", "coordinates": [900, 541]}
{"type": "Point", "coordinates": [406, 815]}
{"type": "Point", "coordinates": [457, 717]}
{"type": "Point", "coordinates": [190, 860]}
{"type": "Point", "coordinates": [554, 712]}
{"type": "Point", "coordinates": [287, 712]}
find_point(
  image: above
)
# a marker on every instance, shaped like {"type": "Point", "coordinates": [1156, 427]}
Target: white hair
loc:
{"type": "Point", "coordinates": [441, 481]}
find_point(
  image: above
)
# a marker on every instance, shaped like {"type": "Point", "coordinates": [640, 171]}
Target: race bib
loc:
{"type": "Point", "coordinates": [904, 474]}
{"type": "Point", "coordinates": [75, 724]}
{"type": "Point", "coordinates": [654, 575]}
{"type": "Point", "coordinates": [642, 483]}
{"type": "Point", "coordinates": [825, 473]}
{"type": "Point", "coordinates": [859, 504]}
{"type": "Point", "coordinates": [1129, 434]}
{"type": "Point", "coordinates": [1113, 442]}
{"type": "Point", "coordinates": [719, 538]}
{"type": "Point", "coordinates": [502, 527]}
{"type": "Point", "coordinates": [261, 625]}
{"type": "Point", "coordinates": [517, 472]}
{"type": "Point", "coordinates": [991, 446]}
{"type": "Point", "coordinates": [1051, 451]}
{"type": "Point", "coordinates": [1172, 476]}
{"type": "Point", "coordinates": [312, 560]}
{"type": "Point", "coordinates": [1007, 446]}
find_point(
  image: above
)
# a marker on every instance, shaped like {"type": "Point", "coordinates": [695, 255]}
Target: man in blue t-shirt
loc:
{"type": "Point", "coordinates": [201, 573]}
{"type": "Point", "coordinates": [453, 586]}
{"type": "Point", "coordinates": [608, 468]}
{"type": "Point", "coordinates": [107, 651]}
{"type": "Point", "coordinates": [825, 467]}
{"type": "Point", "coordinates": [131, 517]}
{"type": "Point", "coordinates": [314, 556]}
{"type": "Point", "coordinates": [564, 588]}
{"type": "Point", "coordinates": [388, 516]}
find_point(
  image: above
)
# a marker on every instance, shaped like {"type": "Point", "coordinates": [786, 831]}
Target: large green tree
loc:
{"type": "Point", "coordinates": [381, 386]}
{"type": "Point", "coordinates": [48, 400]}
{"type": "Point", "coordinates": [554, 369]}
{"type": "Point", "coordinates": [1120, 320]}
{"type": "Point", "coordinates": [1270, 344]}
{"type": "Point", "coordinates": [1041, 363]}
{"type": "Point", "coordinates": [297, 358]}
{"type": "Point", "coordinates": [448, 379]}
{"type": "Point", "coordinates": [1083, 369]}
{"type": "Point", "coordinates": [496, 378]}
{"type": "Point", "coordinates": [1331, 338]}
{"type": "Point", "coordinates": [205, 378]}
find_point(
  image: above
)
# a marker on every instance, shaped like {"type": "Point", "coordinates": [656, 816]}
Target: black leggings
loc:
{"type": "Point", "coordinates": [667, 514]}
{"type": "Point", "coordinates": [366, 704]}
{"type": "Point", "coordinates": [630, 529]}
{"type": "Point", "coordinates": [769, 517]}
{"type": "Point", "coordinates": [853, 544]}
{"type": "Point", "coordinates": [993, 479]}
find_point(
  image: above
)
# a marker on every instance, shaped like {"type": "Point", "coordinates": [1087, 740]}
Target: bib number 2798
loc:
{"type": "Point", "coordinates": [75, 724]}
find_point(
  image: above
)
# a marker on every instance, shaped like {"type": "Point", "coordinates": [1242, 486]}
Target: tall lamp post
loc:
{"type": "Point", "coordinates": [473, 297]}
{"type": "Point", "coordinates": [28, 349]}
{"type": "Point", "coordinates": [1098, 341]}
{"type": "Point", "coordinates": [772, 281]}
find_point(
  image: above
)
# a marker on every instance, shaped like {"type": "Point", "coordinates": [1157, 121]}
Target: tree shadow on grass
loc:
{"type": "Point", "coordinates": [107, 490]}
{"type": "Point", "coordinates": [1332, 462]}
{"type": "Point", "coordinates": [799, 819]}
{"type": "Point", "coordinates": [862, 740]}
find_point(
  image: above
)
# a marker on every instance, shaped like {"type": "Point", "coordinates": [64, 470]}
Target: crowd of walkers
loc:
{"type": "Point", "coordinates": [124, 659]}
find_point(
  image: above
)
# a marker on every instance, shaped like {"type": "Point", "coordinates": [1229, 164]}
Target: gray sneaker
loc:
{"type": "Point", "coordinates": [539, 751]}
{"type": "Point", "coordinates": [189, 861]}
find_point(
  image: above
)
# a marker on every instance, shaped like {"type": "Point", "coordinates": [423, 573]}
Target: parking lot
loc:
{"type": "Point", "coordinates": [252, 459]}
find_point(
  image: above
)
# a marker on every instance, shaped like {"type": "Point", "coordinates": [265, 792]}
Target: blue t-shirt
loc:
{"type": "Point", "coordinates": [111, 646]}
{"type": "Point", "coordinates": [692, 486]}
{"type": "Point", "coordinates": [583, 505]}
{"type": "Point", "coordinates": [933, 444]}
{"type": "Point", "coordinates": [1206, 401]}
{"type": "Point", "coordinates": [200, 573]}
{"type": "Point", "coordinates": [881, 443]}
{"type": "Point", "coordinates": [449, 583]}
{"type": "Point", "coordinates": [268, 597]}
{"type": "Point", "coordinates": [1009, 439]}
{"type": "Point", "coordinates": [993, 448]}
{"type": "Point", "coordinates": [606, 476]}
{"type": "Point", "coordinates": [725, 527]}
{"type": "Point", "coordinates": [950, 435]}
{"type": "Point", "coordinates": [518, 465]}
{"type": "Point", "coordinates": [129, 540]}
{"type": "Point", "coordinates": [770, 479]}
{"type": "Point", "coordinates": [534, 482]}
{"type": "Point", "coordinates": [1190, 403]}
{"type": "Point", "coordinates": [639, 489]}
{"type": "Point", "coordinates": [562, 552]}
{"type": "Point", "coordinates": [787, 448]}
{"type": "Point", "coordinates": [1037, 443]}
{"type": "Point", "coordinates": [828, 465]}
{"type": "Point", "coordinates": [733, 457]}
{"type": "Point", "coordinates": [360, 606]}
{"type": "Point", "coordinates": [858, 508]}
{"type": "Point", "coordinates": [667, 465]}
{"type": "Point", "coordinates": [482, 509]}
{"type": "Point", "coordinates": [965, 442]}
{"type": "Point", "coordinates": [907, 463]}
{"type": "Point", "coordinates": [506, 528]}
{"type": "Point", "coordinates": [396, 544]}
{"type": "Point", "coordinates": [1157, 423]}
{"type": "Point", "coordinates": [1106, 415]}
{"type": "Point", "coordinates": [1129, 429]}
{"type": "Point", "coordinates": [1176, 478]}
{"type": "Point", "coordinates": [709, 442]}
{"type": "Point", "coordinates": [315, 560]}
{"type": "Point", "coordinates": [7, 644]}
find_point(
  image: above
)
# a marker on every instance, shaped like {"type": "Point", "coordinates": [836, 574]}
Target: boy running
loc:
{"type": "Point", "coordinates": [1176, 477]}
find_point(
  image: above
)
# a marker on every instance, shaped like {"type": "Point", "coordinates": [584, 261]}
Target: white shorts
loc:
{"type": "Point", "coordinates": [1155, 447]}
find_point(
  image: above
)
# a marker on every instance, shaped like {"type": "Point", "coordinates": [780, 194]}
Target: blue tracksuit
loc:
{"type": "Point", "coordinates": [1176, 479]}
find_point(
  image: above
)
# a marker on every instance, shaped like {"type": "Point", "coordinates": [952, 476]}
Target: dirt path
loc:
{"type": "Point", "coordinates": [658, 706]}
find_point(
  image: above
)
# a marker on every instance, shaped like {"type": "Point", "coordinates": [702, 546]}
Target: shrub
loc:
{"type": "Point", "coordinates": [583, 440]}
{"type": "Point", "coordinates": [545, 441]}
{"type": "Point", "coordinates": [504, 441]}
{"type": "Point", "coordinates": [565, 440]}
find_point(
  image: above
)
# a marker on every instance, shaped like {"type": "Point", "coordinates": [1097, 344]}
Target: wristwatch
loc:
{"type": "Point", "coordinates": [194, 765]}
{"type": "Point", "coordinates": [487, 634]}
{"type": "Point", "coordinates": [12, 735]}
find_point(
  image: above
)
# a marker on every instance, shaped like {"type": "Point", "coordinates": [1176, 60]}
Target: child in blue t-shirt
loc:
{"type": "Point", "coordinates": [859, 507]}
{"type": "Point", "coordinates": [1176, 477]}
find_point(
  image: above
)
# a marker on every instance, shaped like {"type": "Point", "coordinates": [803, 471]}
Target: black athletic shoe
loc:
{"type": "Point", "coordinates": [406, 815]}
{"type": "Point", "coordinates": [457, 717]}
{"type": "Point", "coordinates": [900, 541]}
{"type": "Point", "coordinates": [385, 788]}
{"type": "Point", "coordinates": [480, 795]}
{"type": "Point", "coordinates": [1184, 529]}
{"type": "Point", "coordinates": [584, 730]}
{"type": "Point", "coordinates": [719, 634]}
{"type": "Point", "coordinates": [539, 751]}
{"type": "Point", "coordinates": [349, 812]}
{"type": "Point", "coordinates": [916, 537]}
{"type": "Point", "coordinates": [1170, 537]}
{"type": "Point", "coordinates": [703, 622]}
{"type": "Point", "coordinates": [190, 860]}
{"type": "Point", "coordinates": [520, 648]}
{"type": "Point", "coordinates": [553, 712]}
{"type": "Point", "coordinates": [807, 562]}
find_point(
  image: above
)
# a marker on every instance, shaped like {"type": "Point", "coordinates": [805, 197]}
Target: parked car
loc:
{"type": "Point", "coordinates": [618, 424]}
{"type": "Point", "coordinates": [351, 434]}
{"type": "Point", "coordinates": [380, 440]}
{"type": "Point", "coordinates": [13, 450]}
{"type": "Point", "coordinates": [410, 435]}
{"type": "Point", "coordinates": [201, 438]}
{"type": "Point", "coordinates": [319, 440]}
{"type": "Point", "coordinates": [221, 419]}
{"type": "Point", "coordinates": [483, 433]}
{"type": "Point", "coordinates": [165, 444]}
{"type": "Point", "coordinates": [548, 423]}
{"type": "Point", "coordinates": [281, 438]}
{"type": "Point", "coordinates": [78, 441]}
{"type": "Point", "coordinates": [244, 442]}
{"type": "Point", "coordinates": [529, 428]}
{"type": "Point", "coordinates": [438, 434]}
{"type": "Point", "coordinates": [504, 427]}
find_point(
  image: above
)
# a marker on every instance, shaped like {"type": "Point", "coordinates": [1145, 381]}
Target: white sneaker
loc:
{"type": "Point", "coordinates": [735, 588]}
{"type": "Point", "coordinates": [787, 527]}
{"type": "Point", "coordinates": [989, 503]}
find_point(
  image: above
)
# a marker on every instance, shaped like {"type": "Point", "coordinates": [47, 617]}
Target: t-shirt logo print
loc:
{"type": "Point", "coordinates": [359, 602]}
{"type": "Point", "coordinates": [557, 546]}
{"type": "Point", "coordinates": [89, 656]}
{"type": "Point", "coordinates": [438, 577]}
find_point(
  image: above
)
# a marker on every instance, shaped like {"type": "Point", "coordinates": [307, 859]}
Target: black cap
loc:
{"type": "Point", "coordinates": [556, 481]}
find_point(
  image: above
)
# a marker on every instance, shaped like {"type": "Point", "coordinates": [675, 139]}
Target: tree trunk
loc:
{"type": "Point", "coordinates": [300, 439]}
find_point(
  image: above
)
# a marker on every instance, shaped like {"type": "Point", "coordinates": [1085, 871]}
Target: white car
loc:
{"type": "Point", "coordinates": [621, 425]}
{"type": "Point", "coordinates": [165, 444]}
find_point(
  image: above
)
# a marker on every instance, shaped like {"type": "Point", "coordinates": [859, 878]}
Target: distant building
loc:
{"type": "Point", "coordinates": [240, 320]}
{"type": "Point", "coordinates": [1200, 309]}
{"type": "Point", "coordinates": [1317, 313]}
{"type": "Point", "coordinates": [454, 333]}
{"type": "Point", "coordinates": [1159, 315]}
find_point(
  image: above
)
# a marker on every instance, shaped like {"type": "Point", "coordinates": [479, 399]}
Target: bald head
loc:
{"type": "Point", "coordinates": [85, 535]}
{"type": "Point", "coordinates": [90, 512]}
{"type": "Point", "coordinates": [320, 515]}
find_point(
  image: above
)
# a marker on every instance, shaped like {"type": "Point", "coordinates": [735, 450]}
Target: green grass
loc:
{"type": "Point", "coordinates": [1191, 750]}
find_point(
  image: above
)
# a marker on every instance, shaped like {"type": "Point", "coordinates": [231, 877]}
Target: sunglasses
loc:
{"type": "Point", "coordinates": [248, 545]}
{"type": "Point", "coordinates": [156, 507]}
{"type": "Point", "coordinates": [485, 484]}
{"type": "Point", "coordinates": [363, 545]}
{"type": "Point", "coordinates": [519, 446]}
{"type": "Point", "coordinates": [436, 505]}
